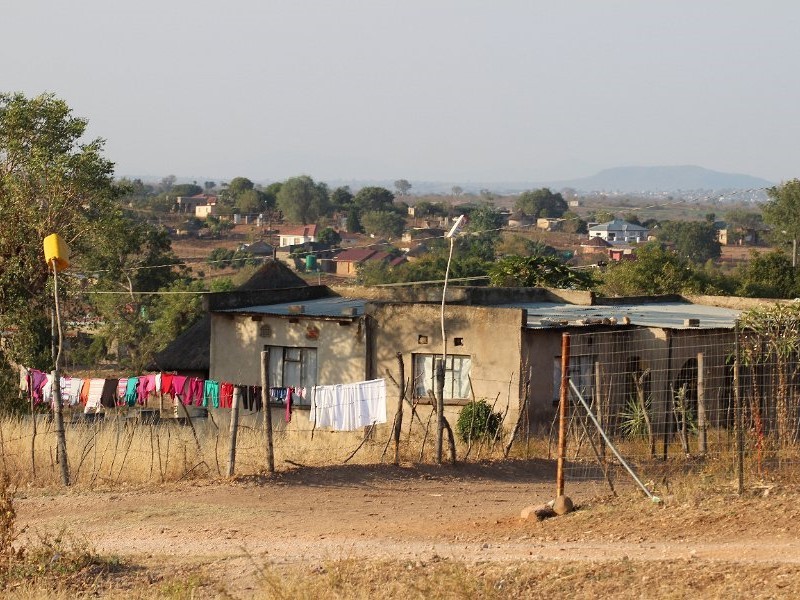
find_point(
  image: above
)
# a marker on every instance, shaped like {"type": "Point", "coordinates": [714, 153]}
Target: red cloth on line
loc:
{"type": "Point", "coordinates": [225, 395]}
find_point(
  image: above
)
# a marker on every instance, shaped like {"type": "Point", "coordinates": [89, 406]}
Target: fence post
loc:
{"type": "Point", "coordinates": [399, 419]}
{"type": "Point", "coordinates": [267, 410]}
{"type": "Point", "coordinates": [702, 423]}
{"type": "Point", "coordinates": [234, 431]}
{"type": "Point", "coordinates": [563, 398]}
{"type": "Point", "coordinates": [439, 409]}
{"type": "Point", "coordinates": [738, 416]}
{"type": "Point", "coordinates": [61, 438]}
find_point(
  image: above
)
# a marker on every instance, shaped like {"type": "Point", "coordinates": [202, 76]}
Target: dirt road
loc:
{"type": "Point", "coordinates": [468, 515]}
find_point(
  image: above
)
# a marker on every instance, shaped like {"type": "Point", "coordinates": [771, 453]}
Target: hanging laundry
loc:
{"type": "Point", "coordinates": [95, 394]}
{"type": "Point", "coordinates": [194, 394]}
{"type": "Point", "coordinates": [47, 389]}
{"type": "Point", "coordinates": [157, 383]}
{"type": "Point", "coordinates": [36, 383]}
{"type": "Point", "coordinates": [72, 390]}
{"type": "Point", "coordinates": [225, 395]}
{"type": "Point", "coordinates": [211, 393]}
{"type": "Point", "coordinates": [178, 386]}
{"type": "Point", "coordinates": [167, 384]}
{"type": "Point", "coordinates": [108, 394]}
{"type": "Point", "coordinates": [121, 387]}
{"type": "Point", "coordinates": [147, 384]}
{"type": "Point", "coordinates": [23, 379]}
{"type": "Point", "coordinates": [347, 407]}
{"type": "Point", "coordinates": [288, 416]}
{"type": "Point", "coordinates": [131, 392]}
{"type": "Point", "coordinates": [83, 395]}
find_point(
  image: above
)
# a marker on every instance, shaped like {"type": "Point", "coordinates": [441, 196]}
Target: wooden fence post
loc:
{"type": "Point", "coordinates": [234, 431]}
{"type": "Point", "coordinates": [702, 423]}
{"type": "Point", "coordinates": [439, 409]}
{"type": "Point", "coordinates": [738, 417]}
{"type": "Point", "coordinates": [399, 419]}
{"type": "Point", "coordinates": [267, 410]}
{"type": "Point", "coordinates": [563, 398]}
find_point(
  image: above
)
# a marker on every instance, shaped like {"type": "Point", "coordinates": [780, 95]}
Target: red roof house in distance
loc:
{"type": "Point", "coordinates": [347, 261]}
{"type": "Point", "coordinates": [297, 234]}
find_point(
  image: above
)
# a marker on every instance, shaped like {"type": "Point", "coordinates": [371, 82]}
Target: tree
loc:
{"type": "Point", "coordinates": [353, 222]}
{"type": "Point", "coordinates": [603, 216]}
{"type": "Point", "coordinates": [383, 223]}
{"type": "Point", "coordinates": [167, 183]}
{"type": "Point", "coordinates": [302, 200]}
{"type": "Point", "coordinates": [767, 275]}
{"type": "Point", "coordinates": [573, 223]}
{"type": "Point", "coordinates": [456, 190]}
{"type": "Point", "coordinates": [50, 182]}
{"type": "Point", "coordinates": [402, 186]}
{"type": "Point", "coordinates": [239, 185]}
{"type": "Point", "coordinates": [374, 198]}
{"type": "Point", "coordinates": [185, 189]}
{"type": "Point", "coordinates": [485, 222]}
{"type": "Point", "coordinates": [693, 240]}
{"type": "Point", "coordinates": [655, 271]}
{"type": "Point", "coordinates": [537, 271]}
{"type": "Point", "coordinates": [209, 185]}
{"type": "Point", "coordinates": [251, 202]}
{"type": "Point", "coordinates": [342, 198]}
{"type": "Point", "coordinates": [782, 212]}
{"type": "Point", "coordinates": [329, 237]}
{"type": "Point", "coordinates": [541, 203]}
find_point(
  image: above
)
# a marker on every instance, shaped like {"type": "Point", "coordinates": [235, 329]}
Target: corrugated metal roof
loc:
{"type": "Point", "coordinates": [322, 307]}
{"type": "Point", "coordinates": [667, 315]}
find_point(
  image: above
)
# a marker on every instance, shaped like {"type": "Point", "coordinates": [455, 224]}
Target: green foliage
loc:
{"type": "Point", "coordinates": [383, 223]}
{"type": "Point", "coordinates": [353, 222]}
{"type": "Point", "coordinates": [782, 211]}
{"type": "Point", "coordinates": [342, 199]}
{"type": "Point", "coordinates": [252, 202]}
{"type": "Point", "coordinates": [693, 240]}
{"type": "Point", "coordinates": [573, 223]}
{"type": "Point", "coordinates": [634, 418]}
{"type": "Point", "coordinates": [402, 186]}
{"type": "Point", "coordinates": [224, 258]}
{"type": "Point", "coordinates": [518, 245]}
{"type": "Point", "coordinates": [302, 200]}
{"type": "Point", "coordinates": [185, 189]}
{"type": "Point", "coordinates": [216, 226]}
{"type": "Point", "coordinates": [239, 185]}
{"type": "Point", "coordinates": [50, 182]}
{"type": "Point", "coordinates": [535, 271]}
{"type": "Point", "coordinates": [541, 203]}
{"type": "Point", "coordinates": [655, 271]}
{"type": "Point", "coordinates": [476, 422]}
{"type": "Point", "coordinates": [603, 216]}
{"type": "Point", "coordinates": [373, 199]}
{"type": "Point", "coordinates": [329, 237]}
{"type": "Point", "coordinates": [767, 275]}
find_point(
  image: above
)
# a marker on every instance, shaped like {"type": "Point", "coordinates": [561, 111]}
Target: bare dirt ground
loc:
{"type": "Point", "coordinates": [303, 523]}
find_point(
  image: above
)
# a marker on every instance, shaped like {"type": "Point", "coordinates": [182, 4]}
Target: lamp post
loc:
{"type": "Point", "coordinates": [442, 364]}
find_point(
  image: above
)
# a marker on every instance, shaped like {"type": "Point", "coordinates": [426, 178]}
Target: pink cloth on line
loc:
{"type": "Point", "coordinates": [194, 395]}
{"type": "Point", "coordinates": [147, 384]}
{"type": "Point", "coordinates": [178, 385]}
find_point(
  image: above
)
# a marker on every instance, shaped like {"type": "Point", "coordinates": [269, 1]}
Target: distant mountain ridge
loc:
{"type": "Point", "coordinates": [662, 179]}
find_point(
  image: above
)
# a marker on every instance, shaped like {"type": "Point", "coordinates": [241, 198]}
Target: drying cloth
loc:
{"type": "Point", "coordinates": [122, 386]}
{"type": "Point", "coordinates": [347, 407]}
{"type": "Point", "coordinates": [225, 395]}
{"type": "Point", "coordinates": [178, 385]}
{"type": "Point", "coordinates": [131, 392]}
{"type": "Point", "coordinates": [108, 395]}
{"type": "Point", "coordinates": [95, 393]}
{"type": "Point", "coordinates": [166, 384]}
{"type": "Point", "coordinates": [195, 393]}
{"type": "Point", "coordinates": [211, 393]}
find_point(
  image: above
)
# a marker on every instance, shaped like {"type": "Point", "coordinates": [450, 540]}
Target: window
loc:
{"type": "Point", "coordinates": [293, 367]}
{"type": "Point", "coordinates": [580, 372]}
{"type": "Point", "coordinates": [456, 376]}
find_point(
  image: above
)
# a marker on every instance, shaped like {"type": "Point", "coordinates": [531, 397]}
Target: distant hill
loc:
{"type": "Point", "coordinates": [662, 179]}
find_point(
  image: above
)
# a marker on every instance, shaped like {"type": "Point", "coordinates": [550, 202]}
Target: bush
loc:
{"type": "Point", "coordinates": [477, 422]}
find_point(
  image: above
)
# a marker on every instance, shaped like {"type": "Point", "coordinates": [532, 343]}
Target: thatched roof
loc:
{"type": "Point", "coordinates": [189, 352]}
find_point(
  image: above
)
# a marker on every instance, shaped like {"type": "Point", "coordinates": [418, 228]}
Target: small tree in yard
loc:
{"type": "Point", "coordinates": [477, 422]}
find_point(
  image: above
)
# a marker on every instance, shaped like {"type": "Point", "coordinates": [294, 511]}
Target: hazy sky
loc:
{"type": "Point", "coordinates": [445, 90]}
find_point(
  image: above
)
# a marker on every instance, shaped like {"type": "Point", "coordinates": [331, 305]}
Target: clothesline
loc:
{"type": "Point", "coordinates": [343, 407]}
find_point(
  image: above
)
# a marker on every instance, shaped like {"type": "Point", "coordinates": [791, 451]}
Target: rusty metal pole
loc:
{"type": "Point", "coordinates": [563, 398]}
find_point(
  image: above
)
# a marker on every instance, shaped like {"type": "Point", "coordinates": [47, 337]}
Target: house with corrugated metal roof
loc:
{"type": "Point", "coordinates": [619, 231]}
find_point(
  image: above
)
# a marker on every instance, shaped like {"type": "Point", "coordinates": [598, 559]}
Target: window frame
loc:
{"type": "Point", "coordinates": [307, 379]}
{"type": "Point", "coordinates": [449, 377]}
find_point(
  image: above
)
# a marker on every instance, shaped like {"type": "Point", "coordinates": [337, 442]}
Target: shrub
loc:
{"type": "Point", "coordinates": [477, 422]}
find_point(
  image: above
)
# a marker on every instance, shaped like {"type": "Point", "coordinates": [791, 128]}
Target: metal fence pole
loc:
{"type": "Point", "coordinates": [562, 414]}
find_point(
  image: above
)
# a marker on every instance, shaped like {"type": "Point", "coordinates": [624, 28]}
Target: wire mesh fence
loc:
{"type": "Point", "coordinates": [673, 401]}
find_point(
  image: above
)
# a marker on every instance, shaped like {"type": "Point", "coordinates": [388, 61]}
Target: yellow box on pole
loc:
{"type": "Point", "coordinates": [56, 249]}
